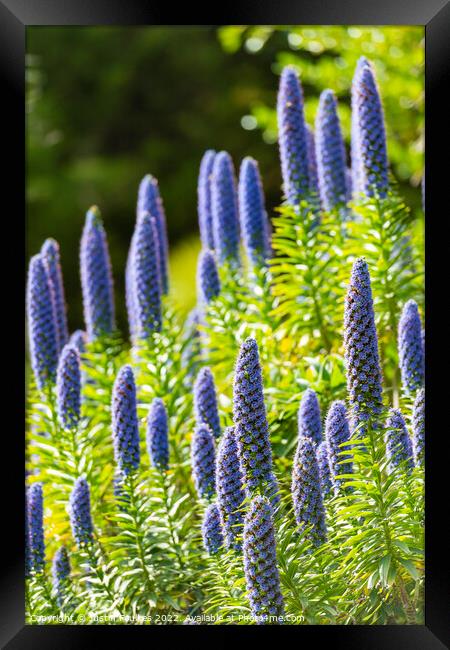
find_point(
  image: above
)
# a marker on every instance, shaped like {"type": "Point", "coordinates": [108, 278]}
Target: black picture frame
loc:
{"type": "Point", "coordinates": [15, 16]}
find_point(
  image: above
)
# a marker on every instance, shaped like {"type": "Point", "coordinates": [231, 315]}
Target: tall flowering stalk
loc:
{"type": "Point", "coordinates": [96, 277]}
{"type": "Point", "coordinates": [205, 219]}
{"type": "Point", "coordinates": [306, 493]}
{"type": "Point", "coordinates": [157, 435]}
{"type": "Point", "coordinates": [260, 562]}
{"type": "Point", "coordinates": [205, 401]}
{"type": "Point", "coordinates": [308, 417]}
{"type": "Point", "coordinates": [330, 151]}
{"type": "Point", "coordinates": [398, 443]}
{"type": "Point", "coordinates": [35, 528]}
{"type": "Point", "coordinates": [418, 427]}
{"type": "Point", "coordinates": [41, 324]}
{"type": "Point", "coordinates": [208, 283]}
{"type": "Point", "coordinates": [250, 420]}
{"type": "Point", "coordinates": [125, 428]}
{"type": "Point", "coordinates": [144, 278]}
{"type": "Point", "coordinates": [410, 347]}
{"type": "Point", "coordinates": [324, 468]}
{"type": "Point", "coordinates": [150, 201]}
{"type": "Point", "coordinates": [225, 210]}
{"type": "Point", "coordinates": [51, 258]}
{"type": "Point", "coordinates": [252, 212]}
{"type": "Point", "coordinates": [68, 387]}
{"type": "Point", "coordinates": [337, 433]}
{"type": "Point", "coordinates": [80, 514]}
{"type": "Point", "coordinates": [203, 459]}
{"type": "Point", "coordinates": [292, 138]}
{"type": "Point", "coordinates": [230, 490]}
{"type": "Point", "coordinates": [61, 574]}
{"type": "Point", "coordinates": [369, 132]}
{"type": "Point", "coordinates": [361, 348]}
{"type": "Point", "coordinates": [212, 530]}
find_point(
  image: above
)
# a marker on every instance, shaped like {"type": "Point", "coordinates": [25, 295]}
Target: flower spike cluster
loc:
{"type": "Point", "coordinates": [68, 387]}
{"type": "Point", "coordinates": [398, 443]}
{"type": "Point", "coordinates": [51, 258]}
{"type": "Point", "coordinates": [252, 213]}
{"type": "Point", "coordinates": [96, 277]}
{"type": "Point", "coordinates": [225, 209]}
{"type": "Point", "coordinates": [80, 513]}
{"type": "Point", "coordinates": [337, 433]}
{"type": "Point", "coordinates": [361, 348]}
{"type": "Point", "coordinates": [157, 435]}
{"type": "Point", "coordinates": [292, 137]}
{"type": "Point", "coordinates": [35, 528]}
{"type": "Point", "coordinates": [61, 574]}
{"type": "Point", "coordinates": [309, 423]}
{"type": "Point", "coordinates": [203, 459]}
{"type": "Point", "coordinates": [230, 491]}
{"type": "Point", "coordinates": [205, 401]}
{"type": "Point", "coordinates": [330, 151]}
{"type": "Point", "coordinates": [205, 220]}
{"type": "Point", "coordinates": [150, 201]}
{"type": "Point", "coordinates": [260, 562]}
{"type": "Point", "coordinates": [125, 428]}
{"type": "Point", "coordinates": [306, 493]}
{"type": "Point", "coordinates": [324, 468]}
{"type": "Point", "coordinates": [250, 420]}
{"type": "Point", "coordinates": [410, 347]}
{"type": "Point", "coordinates": [211, 529]}
{"type": "Point", "coordinates": [418, 427]}
{"type": "Point", "coordinates": [41, 323]}
{"type": "Point", "coordinates": [208, 283]}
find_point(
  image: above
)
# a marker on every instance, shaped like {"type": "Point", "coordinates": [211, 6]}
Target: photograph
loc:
{"type": "Point", "coordinates": [225, 325]}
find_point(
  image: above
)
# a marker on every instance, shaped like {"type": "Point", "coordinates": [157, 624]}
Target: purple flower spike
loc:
{"type": "Point", "coordinates": [61, 574]}
{"type": "Point", "coordinates": [306, 493]}
{"type": "Point", "coordinates": [205, 401]}
{"type": "Point", "coordinates": [361, 348]}
{"type": "Point", "coordinates": [324, 468]}
{"type": "Point", "coordinates": [398, 443]}
{"type": "Point", "coordinates": [410, 347]}
{"type": "Point", "coordinates": [96, 277]}
{"type": "Point", "coordinates": [149, 200]}
{"type": "Point", "coordinates": [260, 562]}
{"type": "Point", "coordinates": [35, 527]}
{"type": "Point", "coordinates": [230, 491]}
{"type": "Point", "coordinates": [205, 220]}
{"type": "Point", "coordinates": [418, 427]}
{"type": "Point", "coordinates": [203, 459]}
{"type": "Point", "coordinates": [157, 435]}
{"type": "Point", "coordinates": [51, 259]}
{"type": "Point", "coordinates": [309, 417]}
{"type": "Point", "coordinates": [330, 152]}
{"type": "Point", "coordinates": [250, 420]}
{"type": "Point", "coordinates": [225, 210]}
{"type": "Point", "coordinates": [208, 283]}
{"type": "Point", "coordinates": [337, 433]}
{"type": "Point", "coordinates": [212, 530]}
{"type": "Point", "coordinates": [254, 221]}
{"type": "Point", "coordinates": [124, 421]}
{"type": "Point", "coordinates": [80, 513]}
{"type": "Point", "coordinates": [41, 324]}
{"type": "Point", "coordinates": [68, 387]}
{"type": "Point", "coordinates": [78, 340]}
{"type": "Point", "coordinates": [292, 137]}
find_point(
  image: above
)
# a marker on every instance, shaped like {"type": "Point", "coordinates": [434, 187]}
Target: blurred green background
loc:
{"type": "Point", "coordinates": [106, 105]}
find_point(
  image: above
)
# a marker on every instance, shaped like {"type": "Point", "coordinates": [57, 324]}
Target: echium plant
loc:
{"type": "Point", "coordinates": [125, 429]}
{"type": "Point", "coordinates": [371, 177]}
{"type": "Point", "coordinates": [324, 468]}
{"type": "Point", "coordinates": [61, 574]}
{"type": "Point", "coordinates": [308, 417]}
{"type": "Point", "coordinates": [398, 443]}
{"type": "Point", "coordinates": [410, 347]}
{"type": "Point", "coordinates": [418, 427]}
{"type": "Point", "coordinates": [260, 563]}
{"type": "Point", "coordinates": [225, 210]}
{"type": "Point", "coordinates": [208, 283]}
{"type": "Point", "coordinates": [230, 490]}
{"type": "Point", "coordinates": [337, 433]}
{"type": "Point", "coordinates": [150, 201]}
{"type": "Point", "coordinates": [157, 435]}
{"type": "Point", "coordinates": [51, 258]}
{"type": "Point", "coordinates": [212, 530]}
{"type": "Point", "coordinates": [96, 277]}
{"type": "Point", "coordinates": [80, 513]}
{"type": "Point", "coordinates": [35, 528]}
{"type": "Point", "coordinates": [251, 427]}
{"type": "Point", "coordinates": [330, 152]}
{"type": "Point", "coordinates": [254, 222]}
{"type": "Point", "coordinates": [306, 493]}
{"type": "Point", "coordinates": [361, 348]}
{"type": "Point", "coordinates": [205, 401]}
{"type": "Point", "coordinates": [68, 387]}
{"type": "Point", "coordinates": [41, 324]}
{"type": "Point", "coordinates": [205, 220]}
{"type": "Point", "coordinates": [292, 138]}
{"type": "Point", "coordinates": [203, 459]}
